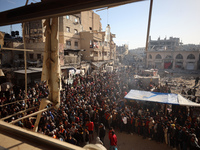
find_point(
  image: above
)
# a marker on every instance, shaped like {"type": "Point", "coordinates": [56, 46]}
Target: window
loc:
{"type": "Point", "coordinates": [75, 31]}
{"type": "Point", "coordinates": [91, 54]}
{"type": "Point", "coordinates": [35, 31]}
{"type": "Point", "coordinates": [38, 56]}
{"type": "Point", "coordinates": [76, 20]}
{"type": "Point", "coordinates": [191, 56]}
{"type": "Point", "coordinates": [179, 56]}
{"type": "Point", "coordinates": [90, 28]}
{"type": "Point", "coordinates": [150, 57]}
{"type": "Point", "coordinates": [68, 43]}
{"type": "Point", "coordinates": [158, 56]}
{"type": "Point", "coordinates": [31, 56]}
{"type": "Point", "coordinates": [66, 53]}
{"type": "Point", "coordinates": [21, 56]}
{"type": "Point", "coordinates": [67, 17]}
{"type": "Point", "coordinates": [168, 57]}
{"type": "Point", "coordinates": [68, 29]}
{"type": "Point", "coordinates": [76, 44]}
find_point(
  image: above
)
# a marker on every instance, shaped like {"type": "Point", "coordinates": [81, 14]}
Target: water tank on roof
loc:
{"type": "Point", "coordinates": [13, 33]}
{"type": "Point", "coordinates": [16, 32]}
{"type": "Point", "coordinates": [107, 34]}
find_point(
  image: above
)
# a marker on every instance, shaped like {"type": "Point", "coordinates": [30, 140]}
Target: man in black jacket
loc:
{"type": "Point", "coordinates": [102, 132]}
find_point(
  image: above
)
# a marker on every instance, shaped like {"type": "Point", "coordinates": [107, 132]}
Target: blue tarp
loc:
{"type": "Point", "coordinates": [167, 98]}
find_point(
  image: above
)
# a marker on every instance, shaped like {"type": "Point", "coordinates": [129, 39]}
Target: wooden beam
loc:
{"type": "Point", "coordinates": [12, 103]}
{"type": "Point", "coordinates": [30, 115]}
{"type": "Point", "coordinates": [18, 113]}
{"type": "Point", "coordinates": [55, 8]}
{"type": "Point", "coordinates": [16, 49]}
{"type": "Point", "coordinates": [35, 139]}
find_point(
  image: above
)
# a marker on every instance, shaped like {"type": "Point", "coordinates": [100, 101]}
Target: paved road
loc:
{"type": "Point", "coordinates": [135, 142]}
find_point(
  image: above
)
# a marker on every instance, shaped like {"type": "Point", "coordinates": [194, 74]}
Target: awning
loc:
{"type": "Point", "coordinates": [74, 50]}
{"type": "Point", "coordinates": [67, 67]}
{"type": "Point", "coordinates": [167, 98]}
{"type": "Point", "coordinates": [29, 71]}
{"type": "Point", "coordinates": [98, 64]}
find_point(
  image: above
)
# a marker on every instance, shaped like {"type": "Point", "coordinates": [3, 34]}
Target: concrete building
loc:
{"type": "Point", "coordinates": [171, 54]}
{"type": "Point", "coordinates": [80, 38]}
{"type": "Point", "coordinates": [69, 38]}
{"type": "Point", "coordinates": [96, 49]}
{"type": "Point", "coordinates": [12, 58]}
{"type": "Point", "coordinates": [90, 21]}
{"type": "Point", "coordinates": [93, 44]}
{"type": "Point", "coordinates": [164, 44]}
{"type": "Point", "coordinates": [137, 56]}
{"type": "Point", "coordinates": [121, 51]}
{"type": "Point", "coordinates": [35, 39]}
{"type": "Point", "coordinates": [138, 53]}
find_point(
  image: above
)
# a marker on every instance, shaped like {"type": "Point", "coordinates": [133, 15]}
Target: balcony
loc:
{"type": "Point", "coordinates": [97, 48]}
{"type": "Point", "coordinates": [106, 48]}
{"type": "Point", "coordinates": [71, 60]}
{"type": "Point", "coordinates": [106, 58]}
{"type": "Point", "coordinates": [67, 47]}
{"type": "Point", "coordinates": [96, 58]}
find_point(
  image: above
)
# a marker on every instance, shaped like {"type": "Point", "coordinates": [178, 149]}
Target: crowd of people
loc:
{"type": "Point", "coordinates": [94, 103]}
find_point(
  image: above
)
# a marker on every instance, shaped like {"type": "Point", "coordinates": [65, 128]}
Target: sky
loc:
{"type": "Point", "coordinates": [170, 18]}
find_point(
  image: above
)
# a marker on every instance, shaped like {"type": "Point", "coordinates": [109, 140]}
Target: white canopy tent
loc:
{"type": "Point", "coordinates": [167, 98]}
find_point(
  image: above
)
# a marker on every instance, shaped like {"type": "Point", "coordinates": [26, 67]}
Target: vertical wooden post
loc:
{"type": "Point", "coordinates": [148, 30]}
{"type": "Point", "coordinates": [51, 66]}
{"type": "Point", "coordinates": [25, 63]}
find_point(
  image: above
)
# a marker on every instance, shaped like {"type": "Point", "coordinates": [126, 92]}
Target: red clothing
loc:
{"type": "Point", "coordinates": [147, 124]}
{"type": "Point", "coordinates": [90, 126]}
{"type": "Point", "coordinates": [113, 140]}
{"type": "Point", "coordinates": [110, 134]}
{"type": "Point", "coordinates": [107, 116]}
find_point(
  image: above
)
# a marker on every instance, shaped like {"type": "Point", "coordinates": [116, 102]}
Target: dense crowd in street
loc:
{"type": "Point", "coordinates": [96, 102]}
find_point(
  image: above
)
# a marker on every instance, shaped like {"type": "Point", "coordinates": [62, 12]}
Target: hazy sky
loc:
{"type": "Point", "coordinates": [177, 18]}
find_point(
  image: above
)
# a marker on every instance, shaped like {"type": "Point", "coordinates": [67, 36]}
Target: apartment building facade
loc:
{"type": "Point", "coordinates": [172, 54]}
{"type": "Point", "coordinates": [121, 51]}
{"type": "Point", "coordinates": [80, 38]}
{"type": "Point", "coordinates": [96, 48]}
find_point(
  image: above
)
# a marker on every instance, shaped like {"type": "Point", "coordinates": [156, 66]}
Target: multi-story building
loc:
{"type": "Point", "coordinates": [69, 39]}
{"type": "Point", "coordinates": [171, 54]}
{"type": "Point", "coordinates": [12, 58]}
{"type": "Point", "coordinates": [96, 48]}
{"type": "Point", "coordinates": [164, 44]}
{"type": "Point", "coordinates": [137, 56]}
{"type": "Point", "coordinates": [92, 43]}
{"type": "Point", "coordinates": [90, 21]}
{"type": "Point", "coordinates": [80, 36]}
{"type": "Point", "coordinates": [121, 51]}
{"type": "Point", "coordinates": [35, 39]}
